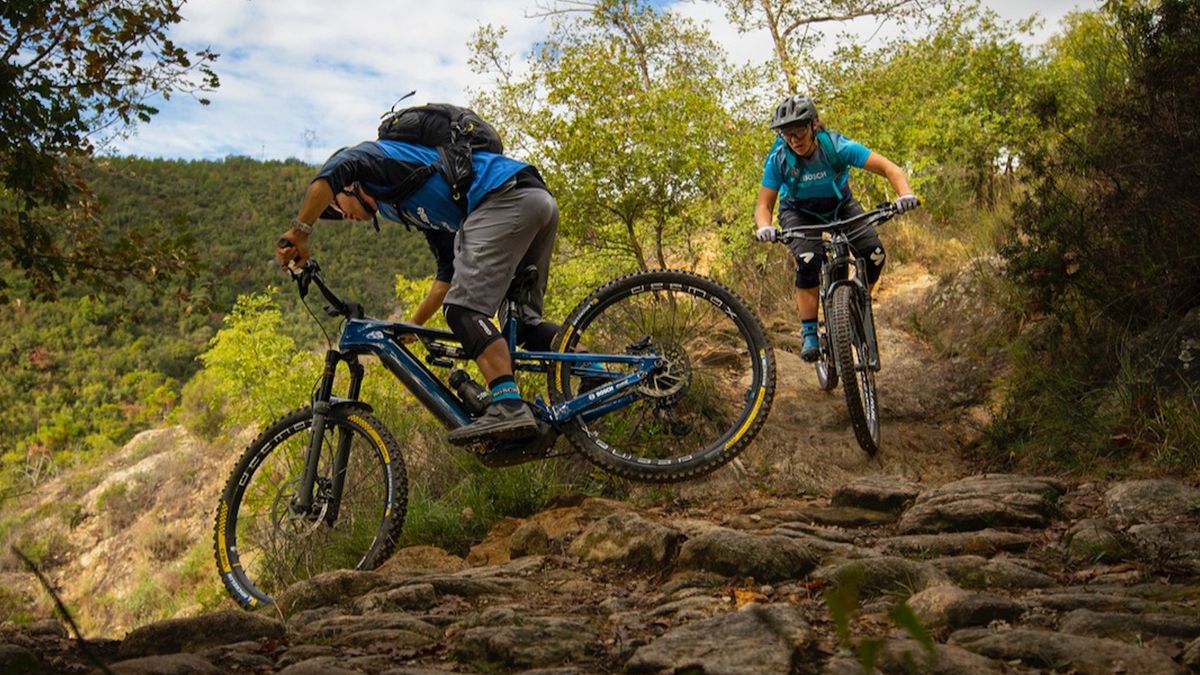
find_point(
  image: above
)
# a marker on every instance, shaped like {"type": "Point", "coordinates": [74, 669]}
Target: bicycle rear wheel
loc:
{"type": "Point", "coordinates": [846, 330]}
{"type": "Point", "coordinates": [263, 545]}
{"type": "Point", "coordinates": [702, 407]}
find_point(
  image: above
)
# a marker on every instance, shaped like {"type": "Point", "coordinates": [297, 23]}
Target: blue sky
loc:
{"type": "Point", "coordinates": [301, 78]}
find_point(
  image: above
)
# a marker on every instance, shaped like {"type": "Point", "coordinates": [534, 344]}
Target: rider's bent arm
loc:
{"type": "Point", "coordinates": [764, 208]}
{"type": "Point", "coordinates": [431, 303]}
{"type": "Point", "coordinates": [878, 164]}
{"type": "Point", "coordinates": [316, 198]}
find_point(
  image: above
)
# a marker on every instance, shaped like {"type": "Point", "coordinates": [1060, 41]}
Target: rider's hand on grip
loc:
{"type": "Point", "coordinates": [907, 203]}
{"type": "Point", "coordinates": [766, 233]}
{"type": "Point", "coordinates": [290, 252]}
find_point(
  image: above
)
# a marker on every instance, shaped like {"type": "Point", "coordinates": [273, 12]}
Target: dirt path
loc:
{"type": "Point", "coordinates": [929, 409]}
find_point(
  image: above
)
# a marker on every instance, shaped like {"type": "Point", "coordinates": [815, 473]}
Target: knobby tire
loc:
{"type": "Point", "coordinates": [706, 405]}
{"type": "Point", "coordinates": [858, 380]}
{"type": "Point", "coordinates": [262, 547]}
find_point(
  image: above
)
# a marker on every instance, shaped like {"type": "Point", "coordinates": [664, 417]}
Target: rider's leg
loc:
{"type": "Point", "coordinates": [512, 227]}
{"type": "Point", "coordinates": [808, 276]}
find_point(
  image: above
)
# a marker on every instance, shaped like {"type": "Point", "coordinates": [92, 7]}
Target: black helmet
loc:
{"type": "Point", "coordinates": [794, 110]}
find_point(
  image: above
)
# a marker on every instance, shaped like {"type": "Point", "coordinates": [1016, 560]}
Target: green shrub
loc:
{"type": "Point", "coordinates": [202, 407]}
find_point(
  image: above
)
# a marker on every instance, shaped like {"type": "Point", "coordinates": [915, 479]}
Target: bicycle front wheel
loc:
{"type": "Point", "coordinates": [264, 542]}
{"type": "Point", "coordinates": [848, 333]}
{"type": "Point", "coordinates": [697, 411]}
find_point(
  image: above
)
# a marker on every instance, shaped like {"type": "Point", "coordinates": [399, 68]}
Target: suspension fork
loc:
{"type": "Point", "coordinates": [303, 501]}
{"type": "Point", "coordinates": [342, 456]}
{"type": "Point", "coordinates": [868, 314]}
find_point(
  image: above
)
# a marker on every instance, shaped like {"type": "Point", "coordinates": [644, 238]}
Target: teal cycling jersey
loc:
{"type": "Point", "coordinates": [812, 183]}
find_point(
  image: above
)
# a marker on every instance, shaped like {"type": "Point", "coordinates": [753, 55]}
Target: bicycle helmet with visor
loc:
{"type": "Point", "coordinates": [794, 110]}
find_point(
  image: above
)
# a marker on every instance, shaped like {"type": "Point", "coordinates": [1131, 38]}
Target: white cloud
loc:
{"type": "Point", "coordinates": [288, 66]}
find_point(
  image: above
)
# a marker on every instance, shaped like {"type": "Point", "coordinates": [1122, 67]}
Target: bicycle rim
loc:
{"type": "Point", "coordinates": [262, 544]}
{"type": "Point", "coordinates": [707, 401]}
{"type": "Point", "coordinates": [858, 380]}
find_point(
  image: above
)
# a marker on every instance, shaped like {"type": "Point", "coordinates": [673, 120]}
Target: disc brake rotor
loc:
{"type": "Point", "coordinates": [670, 382]}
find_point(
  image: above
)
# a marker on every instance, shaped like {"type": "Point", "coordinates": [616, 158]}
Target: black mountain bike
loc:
{"type": "Point", "coordinates": [846, 326]}
{"type": "Point", "coordinates": [658, 376]}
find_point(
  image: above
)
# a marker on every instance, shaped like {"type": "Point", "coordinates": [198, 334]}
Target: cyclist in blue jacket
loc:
{"type": "Point", "coordinates": [809, 176]}
{"type": "Point", "coordinates": [510, 221]}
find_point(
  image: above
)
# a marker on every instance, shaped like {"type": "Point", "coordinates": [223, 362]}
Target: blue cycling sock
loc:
{"type": "Point", "coordinates": [504, 388]}
{"type": "Point", "coordinates": [808, 327]}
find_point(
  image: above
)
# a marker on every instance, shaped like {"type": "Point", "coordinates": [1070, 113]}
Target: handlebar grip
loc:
{"type": "Point", "coordinates": [284, 243]}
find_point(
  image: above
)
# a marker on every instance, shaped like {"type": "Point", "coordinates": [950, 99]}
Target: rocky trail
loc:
{"type": "Point", "coordinates": [1007, 574]}
{"type": "Point", "coordinates": [804, 556]}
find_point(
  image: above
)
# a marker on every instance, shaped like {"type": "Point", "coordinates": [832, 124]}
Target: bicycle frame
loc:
{"type": "Point", "coordinates": [385, 341]}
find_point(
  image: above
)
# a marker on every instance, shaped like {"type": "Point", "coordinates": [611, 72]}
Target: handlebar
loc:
{"type": "Point", "coordinates": [310, 273]}
{"type": "Point", "coordinates": [879, 214]}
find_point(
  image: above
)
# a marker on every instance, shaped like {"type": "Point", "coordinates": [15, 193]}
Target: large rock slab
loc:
{"type": "Point", "coordinates": [172, 664]}
{"type": "Point", "coordinates": [979, 502]}
{"type": "Point", "coordinates": [901, 657]}
{"type": "Point", "coordinates": [628, 539]}
{"type": "Point", "coordinates": [1058, 651]}
{"type": "Point", "coordinates": [533, 642]}
{"type": "Point", "coordinates": [983, 542]}
{"type": "Point", "coordinates": [334, 629]}
{"type": "Point", "coordinates": [971, 571]}
{"type": "Point", "coordinates": [756, 639]}
{"type": "Point", "coordinates": [954, 607]}
{"type": "Point", "coordinates": [734, 553]}
{"type": "Point", "coordinates": [1169, 546]}
{"type": "Point", "coordinates": [410, 597]}
{"type": "Point", "coordinates": [869, 577]}
{"type": "Point", "coordinates": [1150, 501]}
{"type": "Point", "coordinates": [196, 633]}
{"type": "Point", "coordinates": [328, 590]}
{"type": "Point", "coordinates": [880, 493]}
{"type": "Point", "coordinates": [1129, 627]}
{"type": "Point", "coordinates": [1094, 540]}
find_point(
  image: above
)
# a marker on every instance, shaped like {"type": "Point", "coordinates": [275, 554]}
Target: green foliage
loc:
{"type": "Point", "coordinates": [455, 508]}
{"type": "Point", "coordinates": [951, 108]}
{"type": "Point", "coordinates": [1098, 245]}
{"type": "Point", "coordinates": [632, 114]}
{"type": "Point", "coordinates": [251, 361]}
{"type": "Point", "coordinates": [794, 26]}
{"type": "Point", "coordinates": [91, 370]}
{"type": "Point", "coordinates": [68, 81]}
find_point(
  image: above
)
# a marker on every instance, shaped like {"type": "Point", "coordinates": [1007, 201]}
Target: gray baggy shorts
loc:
{"type": "Point", "coordinates": [513, 228]}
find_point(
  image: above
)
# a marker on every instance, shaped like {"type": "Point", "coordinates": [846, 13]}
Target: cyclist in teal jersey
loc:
{"type": "Point", "coordinates": [807, 172]}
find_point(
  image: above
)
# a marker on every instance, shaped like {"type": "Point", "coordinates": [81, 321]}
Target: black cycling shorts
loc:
{"type": "Point", "coordinates": [864, 241]}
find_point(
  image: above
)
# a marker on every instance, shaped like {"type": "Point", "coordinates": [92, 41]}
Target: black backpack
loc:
{"type": "Point", "coordinates": [455, 132]}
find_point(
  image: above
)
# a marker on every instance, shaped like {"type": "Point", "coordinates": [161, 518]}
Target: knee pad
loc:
{"type": "Point", "coordinates": [808, 270]}
{"type": "Point", "coordinates": [537, 337]}
{"type": "Point", "coordinates": [475, 330]}
{"type": "Point", "coordinates": [876, 257]}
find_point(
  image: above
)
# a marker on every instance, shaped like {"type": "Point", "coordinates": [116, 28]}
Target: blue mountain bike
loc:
{"type": "Point", "coordinates": [657, 376]}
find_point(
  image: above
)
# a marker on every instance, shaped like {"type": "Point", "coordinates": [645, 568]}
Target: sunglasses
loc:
{"type": "Point", "coordinates": [794, 133]}
{"type": "Point", "coordinates": [353, 190]}
{"type": "Point", "coordinates": [335, 212]}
